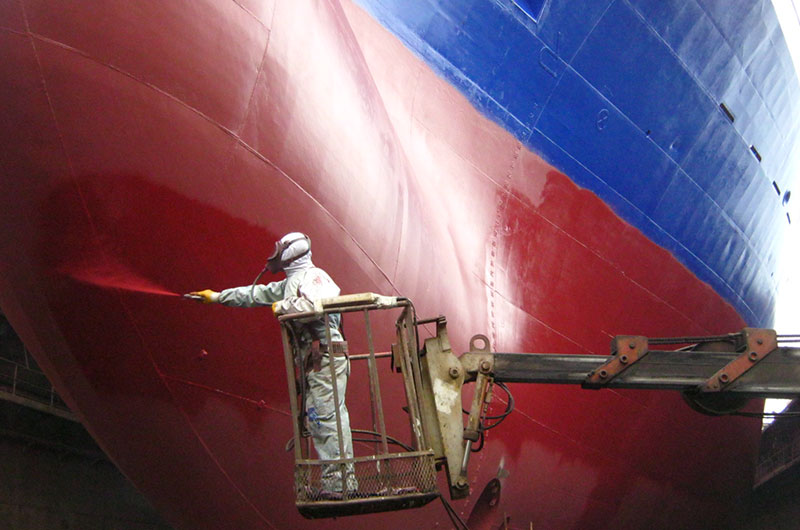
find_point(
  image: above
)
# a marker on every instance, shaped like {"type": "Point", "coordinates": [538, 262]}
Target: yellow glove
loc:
{"type": "Point", "coordinates": [208, 296]}
{"type": "Point", "coordinates": [275, 308]}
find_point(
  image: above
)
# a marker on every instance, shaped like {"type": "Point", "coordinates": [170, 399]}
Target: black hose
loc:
{"type": "Point", "coordinates": [253, 286]}
{"type": "Point", "coordinates": [391, 440]}
{"type": "Point", "coordinates": [509, 407]}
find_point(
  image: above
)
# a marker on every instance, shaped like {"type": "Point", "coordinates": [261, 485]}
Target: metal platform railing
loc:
{"type": "Point", "coordinates": [382, 481]}
{"type": "Point", "coordinates": [30, 387]}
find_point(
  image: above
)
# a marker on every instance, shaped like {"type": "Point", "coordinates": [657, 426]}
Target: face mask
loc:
{"type": "Point", "coordinates": [274, 262]}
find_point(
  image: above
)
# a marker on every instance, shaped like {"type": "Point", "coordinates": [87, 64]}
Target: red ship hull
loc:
{"type": "Point", "coordinates": [175, 142]}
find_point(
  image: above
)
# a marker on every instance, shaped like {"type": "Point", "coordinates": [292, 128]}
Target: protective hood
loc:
{"type": "Point", "coordinates": [292, 253]}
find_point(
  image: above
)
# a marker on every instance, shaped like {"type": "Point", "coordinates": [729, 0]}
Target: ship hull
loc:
{"type": "Point", "coordinates": [159, 148]}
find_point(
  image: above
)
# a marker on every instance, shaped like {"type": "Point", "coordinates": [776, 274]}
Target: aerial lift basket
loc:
{"type": "Point", "coordinates": [717, 375]}
{"type": "Point", "coordinates": [386, 480]}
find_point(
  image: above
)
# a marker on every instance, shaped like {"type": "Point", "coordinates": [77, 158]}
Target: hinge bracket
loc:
{"type": "Point", "coordinates": [626, 350]}
{"type": "Point", "coordinates": [759, 344]}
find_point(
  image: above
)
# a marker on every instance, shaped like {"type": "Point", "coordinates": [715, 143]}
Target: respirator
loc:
{"type": "Point", "coordinates": [275, 264]}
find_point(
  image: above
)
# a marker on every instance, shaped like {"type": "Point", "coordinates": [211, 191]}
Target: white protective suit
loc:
{"type": "Point", "coordinates": [305, 283]}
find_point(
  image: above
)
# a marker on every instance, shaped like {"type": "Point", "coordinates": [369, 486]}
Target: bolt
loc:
{"type": "Point", "coordinates": [461, 483]}
{"type": "Point", "coordinates": [624, 359]}
{"type": "Point", "coordinates": [760, 341]}
{"type": "Point", "coordinates": [632, 345]}
{"type": "Point", "coordinates": [485, 366]}
{"type": "Point", "coordinates": [723, 377]}
{"type": "Point", "coordinates": [603, 374]}
{"type": "Point", "coordinates": [203, 354]}
{"type": "Point", "coordinates": [454, 372]}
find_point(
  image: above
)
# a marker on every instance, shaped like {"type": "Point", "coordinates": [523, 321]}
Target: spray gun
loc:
{"type": "Point", "coordinates": [274, 263]}
{"type": "Point", "coordinates": [199, 298]}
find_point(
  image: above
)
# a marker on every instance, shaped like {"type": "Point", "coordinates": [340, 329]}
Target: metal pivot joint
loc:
{"type": "Point", "coordinates": [447, 375]}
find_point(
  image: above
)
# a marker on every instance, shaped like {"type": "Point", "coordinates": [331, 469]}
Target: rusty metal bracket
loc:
{"type": "Point", "coordinates": [626, 350]}
{"type": "Point", "coordinates": [760, 343]}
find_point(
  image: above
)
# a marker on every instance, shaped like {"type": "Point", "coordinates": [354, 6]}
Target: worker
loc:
{"type": "Point", "coordinates": [305, 283]}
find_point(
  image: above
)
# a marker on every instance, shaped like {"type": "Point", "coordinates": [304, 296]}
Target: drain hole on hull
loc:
{"type": "Point", "coordinates": [755, 152]}
{"type": "Point", "coordinates": [777, 189]}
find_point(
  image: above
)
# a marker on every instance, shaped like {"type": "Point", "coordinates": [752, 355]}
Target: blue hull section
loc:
{"type": "Point", "coordinates": [681, 115]}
